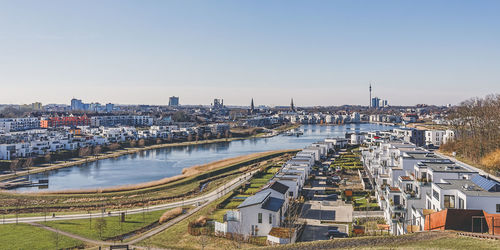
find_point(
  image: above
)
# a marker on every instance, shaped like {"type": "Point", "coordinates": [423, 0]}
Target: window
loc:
{"type": "Point", "coordinates": [435, 194]}
{"type": "Point", "coordinates": [461, 204]}
{"type": "Point", "coordinates": [290, 194]}
{"type": "Point", "coordinates": [449, 201]}
{"type": "Point", "coordinates": [270, 219]}
{"type": "Point", "coordinates": [259, 217]}
{"type": "Point", "coordinates": [498, 208]}
{"type": "Point", "coordinates": [428, 204]}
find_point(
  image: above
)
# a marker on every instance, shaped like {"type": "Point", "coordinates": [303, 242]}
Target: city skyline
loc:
{"type": "Point", "coordinates": [320, 53]}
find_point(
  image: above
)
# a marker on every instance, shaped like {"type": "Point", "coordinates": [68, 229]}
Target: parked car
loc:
{"type": "Point", "coordinates": [335, 233]}
{"type": "Point", "coordinates": [336, 178]}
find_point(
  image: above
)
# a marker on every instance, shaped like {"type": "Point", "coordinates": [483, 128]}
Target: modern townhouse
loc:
{"type": "Point", "coordinates": [477, 192]}
{"type": "Point", "coordinates": [19, 124]}
{"type": "Point", "coordinates": [121, 120]}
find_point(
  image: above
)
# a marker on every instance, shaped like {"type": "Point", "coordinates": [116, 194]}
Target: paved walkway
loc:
{"type": "Point", "coordinates": [220, 191]}
{"type": "Point", "coordinates": [206, 199]}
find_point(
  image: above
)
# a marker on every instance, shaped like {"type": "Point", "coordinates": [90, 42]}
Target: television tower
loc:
{"type": "Point", "coordinates": [370, 103]}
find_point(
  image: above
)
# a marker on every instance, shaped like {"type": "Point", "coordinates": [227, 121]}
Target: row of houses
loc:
{"type": "Point", "coordinates": [28, 123]}
{"type": "Point", "coordinates": [411, 183]}
{"type": "Point", "coordinates": [322, 118]}
{"type": "Point", "coordinates": [267, 212]}
{"type": "Point", "coordinates": [37, 142]}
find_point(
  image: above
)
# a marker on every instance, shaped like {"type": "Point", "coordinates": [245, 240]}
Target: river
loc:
{"type": "Point", "coordinates": [165, 162]}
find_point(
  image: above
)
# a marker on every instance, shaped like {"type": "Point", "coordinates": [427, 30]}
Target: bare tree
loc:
{"type": "Point", "coordinates": [14, 165]}
{"type": "Point", "coordinates": [141, 143]}
{"type": "Point", "coordinates": [47, 157]}
{"type": "Point", "coordinates": [85, 151]}
{"type": "Point", "coordinates": [114, 146]}
{"type": "Point", "coordinates": [28, 163]}
{"type": "Point", "coordinates": [100, 225]}
{"type": "Point", "coordinates": [97, 150]}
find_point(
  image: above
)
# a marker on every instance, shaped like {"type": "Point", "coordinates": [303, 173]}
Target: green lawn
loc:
{"type": "Point", "coordinates": [457, 242]}
{"type": "Point", "coordinates": [24, 236]}
{"type": "Point", "coordinates": [177, 237]}
{"type": "Point", "coordinates": [87, 228]}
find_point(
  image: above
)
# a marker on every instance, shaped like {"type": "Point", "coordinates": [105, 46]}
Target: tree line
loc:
{"type": "Point", "coordinates": [477, 125]}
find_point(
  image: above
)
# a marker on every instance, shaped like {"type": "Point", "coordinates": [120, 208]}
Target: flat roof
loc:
{"type": "Point", "coordinates": [445, 167]}
{"type": "Point", "coordinates": [421, 155]}
{"type": "Point", "coordinates": [468, 187]}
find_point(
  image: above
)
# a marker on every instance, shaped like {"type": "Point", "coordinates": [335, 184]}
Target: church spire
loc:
{"type": "Point", "coordinates": [252, 107]}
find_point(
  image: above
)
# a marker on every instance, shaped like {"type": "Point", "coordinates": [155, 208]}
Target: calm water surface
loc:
{"type": "Point", "coordinates": [160, 163]}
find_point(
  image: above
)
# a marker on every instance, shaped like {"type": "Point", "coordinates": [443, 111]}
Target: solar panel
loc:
{"type": "Point", "coordinates": [484, 183]}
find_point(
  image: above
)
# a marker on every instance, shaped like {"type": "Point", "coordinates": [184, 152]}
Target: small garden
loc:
{"type": "Point", "coordinates": [348, 160]}
{"type": "Point", "coordinates": [362, 201]}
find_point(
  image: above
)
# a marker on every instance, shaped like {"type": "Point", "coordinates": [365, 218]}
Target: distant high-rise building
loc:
{"type": "Point", "coordinates": [173, 101]}
{"type": "Point", "coordinates": [292, 107]}
{"type": "Point", "coordinates": [218, 103]}
{"type": "Point", "coordinates": [110, 107]}
{"type": "Point", "coordinates": [375, 102]}
{"type": "Point", "coordinates": [36, 106]}
{"type": "Point", "coordinates": [76, 104]}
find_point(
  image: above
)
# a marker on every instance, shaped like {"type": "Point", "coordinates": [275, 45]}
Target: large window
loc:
{"type": "Point", "coordinates": [270, 219]}
{"type": "Point", "coordinates": [435, 194]}
{"type": "Point", "coordinates": [498, 208]}
{"type": "Point", "coordinates": [449, 201]}
{"type": "Point", "coordinates": [461, 204]}
{"type": "Point", "coordinates": [259, 217]}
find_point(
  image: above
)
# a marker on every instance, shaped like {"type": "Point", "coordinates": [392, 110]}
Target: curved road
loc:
{"type": "Point", "coordinates": [207, 198]}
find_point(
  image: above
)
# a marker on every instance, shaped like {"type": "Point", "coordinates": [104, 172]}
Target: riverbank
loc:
{"type": "Point", "coordinates": [209, 176]}
{"type": "Point", "coordinates": [114, 154]}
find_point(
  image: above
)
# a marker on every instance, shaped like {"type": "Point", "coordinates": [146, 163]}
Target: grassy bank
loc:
{"type": "Point", "coordinates": [422, 240]}
{"type": "Point", "coordinates": [113, 225]}
{"type": "Point", "coordinates": [24, 236]}
{"type": "Point", "coordinates": [177, 236]}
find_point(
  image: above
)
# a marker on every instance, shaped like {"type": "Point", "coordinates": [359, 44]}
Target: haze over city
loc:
{"type": "Point", "coordinates": [319, 52]}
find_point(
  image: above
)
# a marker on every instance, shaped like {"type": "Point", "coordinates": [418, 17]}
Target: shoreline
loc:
{"type": "Point", "coordinates": [188, 172]}
{"type": "Point", "coordinates": [114, 154]}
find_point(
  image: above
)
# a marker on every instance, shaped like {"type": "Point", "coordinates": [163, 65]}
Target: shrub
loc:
{"type": "Point", "coordinates": [170, 214]}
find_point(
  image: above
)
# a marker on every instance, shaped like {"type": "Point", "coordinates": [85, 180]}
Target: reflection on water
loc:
{"type": "Point", "coordinates": [164, 162]}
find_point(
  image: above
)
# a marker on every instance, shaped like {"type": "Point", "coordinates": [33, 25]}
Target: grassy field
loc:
{"type": "Point", "coordinates": [87, 227]}
{"type": "Point", "coordinates": [24, 236]}
{"type": "Point", "coordinates": [422, 240]}
{"type": "Point", "coordinates": [177, 237]}
{"type": "Point", "coordinates": [452, 242]}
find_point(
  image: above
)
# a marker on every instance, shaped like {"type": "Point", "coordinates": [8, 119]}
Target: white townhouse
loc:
{"type": "Point", "coordinates": [292, 181]}
{"type": "Point", "coordinates": [474, 193]}
{"type": "Point", "coordinates": [259, 214]}
{"type": "Point", "coordinates": [308, 154]}
{"type": "Point", "coordinates": [434, 137]}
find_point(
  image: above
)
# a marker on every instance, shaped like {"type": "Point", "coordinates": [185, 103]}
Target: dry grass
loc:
{"type": "Point", "coordinates": [170, 214]}
{"type": "Point", "coordinates": [492, 160]}
{"type": "Point", "coordinates": [195, 170]}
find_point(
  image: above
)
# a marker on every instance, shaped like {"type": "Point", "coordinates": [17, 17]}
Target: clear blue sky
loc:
{"type": "Point", "coordinates": [318, 52]}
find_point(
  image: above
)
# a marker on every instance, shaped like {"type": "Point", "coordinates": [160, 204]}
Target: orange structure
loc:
{"type": "Point", "coordinates": [467, 220]}
{"type": "Point", "coordinates": [69, 121]}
